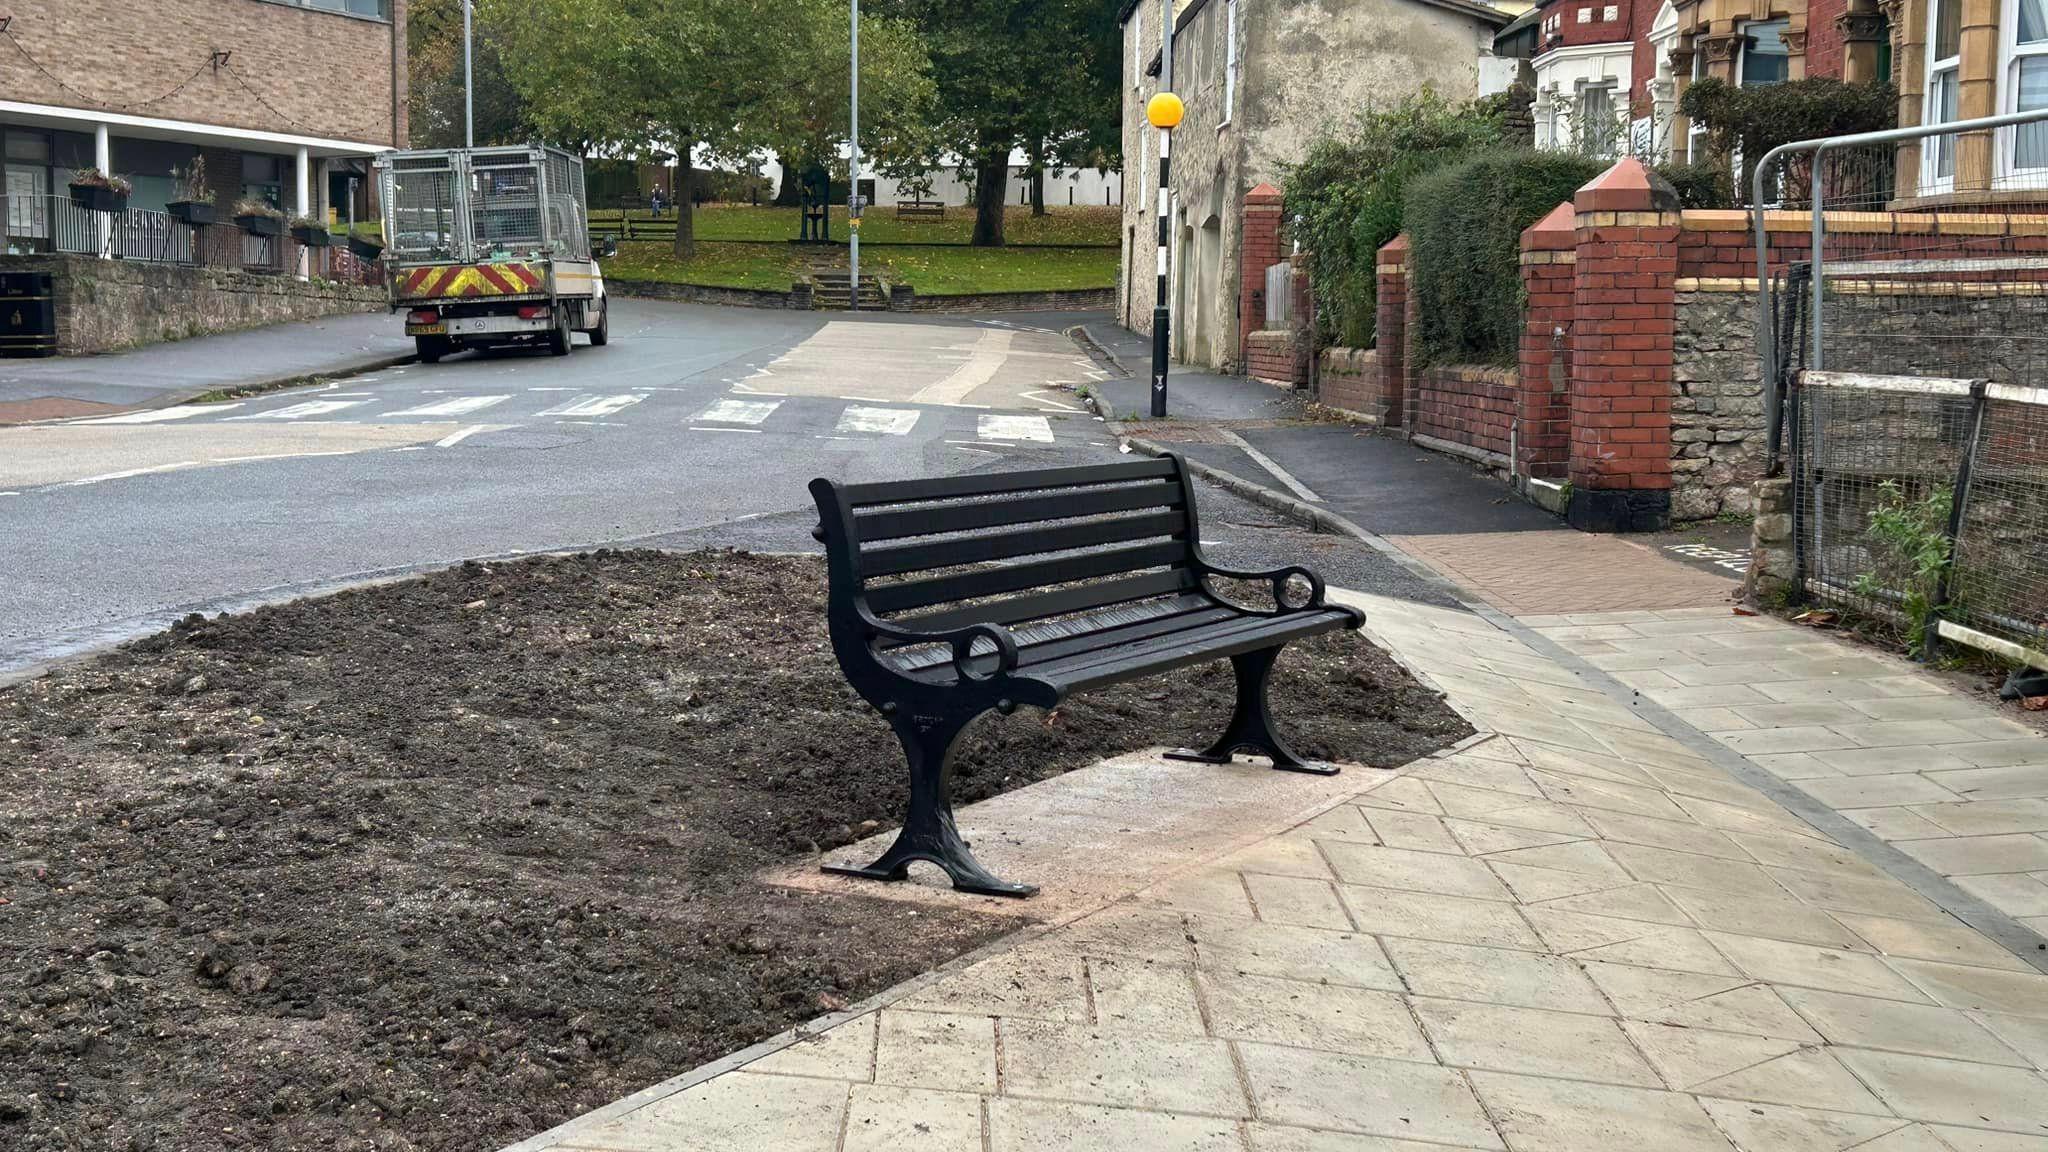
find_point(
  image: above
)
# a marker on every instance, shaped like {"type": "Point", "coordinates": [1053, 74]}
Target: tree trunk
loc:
{"type": "Point", "coordinates": [991, 180]}
{"type": "Point", "coordinates": [686, 205]}
{"type": "Point", "coordinates": [1038, 180]}
{"type": "Point", "coordinates": [790, 193]}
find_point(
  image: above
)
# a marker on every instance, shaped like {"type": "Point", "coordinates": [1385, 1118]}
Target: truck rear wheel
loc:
{"type": "Point", "coordinates": [431, 348]}
{"type": "Point", "coordinates": [602, 334]}
{"type": "Point", "coordinates": [559, 340]}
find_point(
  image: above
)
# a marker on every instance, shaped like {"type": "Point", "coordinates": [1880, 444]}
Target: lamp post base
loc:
{"type": "Point", "coordinates": [1161, 320]}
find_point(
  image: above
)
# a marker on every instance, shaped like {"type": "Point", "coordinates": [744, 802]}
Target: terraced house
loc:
{"type": "Point", "coordinates": [285, 100]}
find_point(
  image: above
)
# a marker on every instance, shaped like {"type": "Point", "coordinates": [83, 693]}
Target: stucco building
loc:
{"type": "Point", "coordinates": [285, 100]}
{"type": "Point", "coordinates": [1262, 79]}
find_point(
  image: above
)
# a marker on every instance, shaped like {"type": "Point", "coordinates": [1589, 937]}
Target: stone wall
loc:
{"type": "Point", "coordinates": [1348, 379]}
{"type": "Point", "coordinates": [107, 305]}
{"type": "Point", "coordinates": [1717, 405]}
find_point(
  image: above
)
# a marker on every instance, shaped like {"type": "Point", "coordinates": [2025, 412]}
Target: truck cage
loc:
{"type": "Point", "coordinates": [469, 206]}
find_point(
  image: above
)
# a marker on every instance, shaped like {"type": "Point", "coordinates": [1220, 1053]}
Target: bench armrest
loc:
{"type": "Point", "coordinates": [960, 640]}
{"type": "Point", "coordinates": [1278, 577]}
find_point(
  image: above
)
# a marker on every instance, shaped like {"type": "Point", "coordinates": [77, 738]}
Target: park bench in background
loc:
{"type": "Point", "coordinates": [1103, 581]}
{"type": "Point", "coordinates": [920, 208]}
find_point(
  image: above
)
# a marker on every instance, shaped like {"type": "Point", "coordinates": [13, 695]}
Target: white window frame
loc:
{"type": "Point", "coordinates": [1581, 120]}
{"type": "Point", "coordinates": [1931, 180]}
{"type": "Point", "coordinates": [1138, 47]}
{"type": "Point", "coordinates": [2010, 54]}
{"type": "Point", "coordinates": [1229, 61]}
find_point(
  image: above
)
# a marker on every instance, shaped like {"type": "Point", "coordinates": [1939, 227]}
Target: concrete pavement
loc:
{"type": "Point", "coordinates": [163, 374]}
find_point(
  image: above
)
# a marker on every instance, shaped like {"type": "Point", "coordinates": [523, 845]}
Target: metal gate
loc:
{"type": "Point", "coordinates": [1902, 331]}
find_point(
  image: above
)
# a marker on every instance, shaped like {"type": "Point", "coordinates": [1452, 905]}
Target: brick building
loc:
{"type": "Point", "coordinates": [285, 99]}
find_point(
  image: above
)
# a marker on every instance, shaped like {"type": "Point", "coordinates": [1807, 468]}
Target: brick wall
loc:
{"type": "Point", "coordinates": [316, 73]}
{"type": "Point", "coordinates": [1549, 257]}
{"type": "Point", "coordinates": [1349, 379]}
{"type": "Point", "coordinates": [1466, 404]}
{"type": "Point", "coordinates": [1260, 251]}
{"type": "Point", "coordinates": [1275, 357]}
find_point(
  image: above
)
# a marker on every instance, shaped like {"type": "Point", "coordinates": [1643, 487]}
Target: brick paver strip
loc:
{"type": "Point", "coordinates": [1564, 571]}
{"type": "Point", "coordinates": [1583, 932]}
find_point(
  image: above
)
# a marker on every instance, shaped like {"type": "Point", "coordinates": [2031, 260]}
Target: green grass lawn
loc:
{"type": "Point", "coordinates": [1078, 225]}
{"type": "Point", "coordinates": [931, 271]}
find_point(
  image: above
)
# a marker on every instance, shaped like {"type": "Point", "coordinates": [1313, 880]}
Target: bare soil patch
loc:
{"type": "Point", "coordinates": [439, 864]}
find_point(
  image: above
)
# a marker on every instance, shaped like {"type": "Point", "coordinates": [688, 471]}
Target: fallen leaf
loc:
{"type": "Point", "coordinates": [2034, 703]}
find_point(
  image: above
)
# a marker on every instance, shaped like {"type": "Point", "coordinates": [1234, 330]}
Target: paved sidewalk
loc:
{"type": "Point", "coordinates": [169, 373]}
{"type": "Point", "coordinates": [1586, 932]}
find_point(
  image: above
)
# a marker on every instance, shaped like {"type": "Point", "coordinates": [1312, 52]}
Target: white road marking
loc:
{"type": "Point", "coordinates": [275, 456]}
{"type": "Point", "coordinates": [10, 493]}
{"type": "Point", "coordinates": [1042, 398]}
{"type": "Point", "coordinates": [301, 411]}
{"type": "Point", "coordinates": [594, 423]}
{"type": "Point", "coordinates": [1266, 462]}
{"type": "Point", "coordinates": [160, 415]}
{"type": "Point", "coordinates": [990, 350]}
{"type": "Point", "coordinates": [554, 389]}
{"type": "Point", "coordinates": [459, 406]}
{"type": "Point", "coordinates": [977, 451]}
{"type": "Point", "coordinates": [880, 421]}
{"type": "Point", "coordinates": [695, 428]}
{"type": "Point", "coordinates": [592, 405]}
{"type": "Point", "coordinates": [738, 411]}
{"type": "Point", "coordinates": [411, 448]}
{"type": "Point", "coordinates": [994, 427]}
{"type": "Point", "coordinates": [128, 473]}
{"type": "Point", "coordinates": [454, 438]}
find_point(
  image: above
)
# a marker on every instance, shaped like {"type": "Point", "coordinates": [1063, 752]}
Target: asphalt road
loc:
{"type": "Point", "coordinates": [696, 425]}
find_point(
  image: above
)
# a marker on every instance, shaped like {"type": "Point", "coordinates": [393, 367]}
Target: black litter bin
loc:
{"type": "Point", "coordinates": [28, 314]}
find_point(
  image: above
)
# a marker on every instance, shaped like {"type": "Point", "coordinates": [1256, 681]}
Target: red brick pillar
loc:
{"type": "Point", "coordinates": [1259, 250]}
{"type": "Point", "coordinates": [1543, 383]}
{"type": "Point", "coordinates": [1390, 331]}
{"type": "Point", "coordinates": [1621, 334]}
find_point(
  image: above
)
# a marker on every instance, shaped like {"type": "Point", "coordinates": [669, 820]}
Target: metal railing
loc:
{"type": "Point", "coordinates": [59, 224]}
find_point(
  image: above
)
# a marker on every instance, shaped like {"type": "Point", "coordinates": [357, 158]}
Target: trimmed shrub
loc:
{"type": "Point", "coordinates": [1464, 223]}
{"type": "Point", "coordinates": [1751, 121]}
{"type": "Point", "coordinates": [1344, 200]}
{"type": "Point", "coordinates": [1703, 184]}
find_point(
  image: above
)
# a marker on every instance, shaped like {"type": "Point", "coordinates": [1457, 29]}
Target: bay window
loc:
{"type": "Point", "coordinates": [2025, 50]}
{"type": "Point", "coordinates": [1944, 86]}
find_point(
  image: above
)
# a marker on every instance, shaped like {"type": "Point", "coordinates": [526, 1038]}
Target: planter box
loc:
{"type": "Point", "coordinates": [365, 249]}
{"type": "Point", "coordinates": [312, 237]}
{"type": "Point", "coordinates": [95, 198]}
{"type": "Point", "coordinates": [196, 213]}
{"type": "Point", "coordinates": [260, 225]}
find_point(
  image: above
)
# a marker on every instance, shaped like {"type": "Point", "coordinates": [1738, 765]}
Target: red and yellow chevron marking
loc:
{"type": "Point", "coordinates": [456, 280]}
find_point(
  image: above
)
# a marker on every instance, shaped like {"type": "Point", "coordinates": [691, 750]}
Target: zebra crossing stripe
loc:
{"type": "Point", "coordinates": [588, 405]}
{"type": "Point", "coordinates": [160, 415]}
{"type": "Point", "coordinates": [737, 412]}
{"type": "Point", "coordinates": [301, 411]}
{"type": "Point", "coordinates": [878, 421]}
{"type": "Point", "coordinates": [454, 406]}
{"type": "Point", "coordinates": [992, 427]}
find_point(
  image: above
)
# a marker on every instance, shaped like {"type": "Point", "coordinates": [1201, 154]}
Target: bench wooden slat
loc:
{"type": "Point", "coordinates": [1001, 483]}
{"type": "Point", "coordinates": [939, 519]}
{"type": "Point", "coordinates": [1017, 577]}
{"type": "Point", "coordinates": [1059, 602]}
{"type": "Point", "coordinates": [1077, 624]}
{"type": "Point", "coordinates": [1186, 649]}
{"type": "Point", "coordinates": [1079, 643]}
{"type": "Point", "coordinates": [927, 555]}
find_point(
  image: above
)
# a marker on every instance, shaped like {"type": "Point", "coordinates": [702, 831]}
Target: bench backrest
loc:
{"type": "Point", "coordinates": [1021, 546]}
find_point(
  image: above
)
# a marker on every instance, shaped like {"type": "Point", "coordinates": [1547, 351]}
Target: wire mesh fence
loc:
{"type": "Point", "coordinates": [1924, 503]}
{"type": "Point", "coordinates": [1903, 320]}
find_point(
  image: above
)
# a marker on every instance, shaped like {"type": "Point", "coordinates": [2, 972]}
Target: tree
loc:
{"type": "Point", "coordinates": [805, 119]}
{"type": "Point", "coordinates": [1011, 73]}
{"type": "Point", "coordinates": [434, 55]}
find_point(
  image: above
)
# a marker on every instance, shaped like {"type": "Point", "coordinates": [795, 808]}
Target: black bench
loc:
{"type": "Point", "coordinates": [1105, 582]}
{"type": "Point", "coordinates": [920, 208]}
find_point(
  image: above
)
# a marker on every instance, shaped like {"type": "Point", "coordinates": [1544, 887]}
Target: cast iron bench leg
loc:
{"type": "Point", "coordinates": [928, 830]}
{"type": "Point", "coordinates": [1251, 724]}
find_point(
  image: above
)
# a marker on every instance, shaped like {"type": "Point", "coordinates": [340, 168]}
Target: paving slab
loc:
{"type": "Point", "coordinates": [1635, 946]}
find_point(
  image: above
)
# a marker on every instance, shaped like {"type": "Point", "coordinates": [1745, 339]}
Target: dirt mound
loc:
{"type": "Point", "coordinates": [442, 863]}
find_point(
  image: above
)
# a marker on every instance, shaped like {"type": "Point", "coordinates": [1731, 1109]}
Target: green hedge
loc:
{"type": "Point", "coordinates": [1344, 200]}
{"type": "Point", "coordinates": [1464, 223]}
{"type": "Point", "coordinates": [1751, 121]}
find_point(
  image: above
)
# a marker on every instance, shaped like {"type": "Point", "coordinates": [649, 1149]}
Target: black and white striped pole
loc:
{"type": "Point", "coordinates": [1164, 111]}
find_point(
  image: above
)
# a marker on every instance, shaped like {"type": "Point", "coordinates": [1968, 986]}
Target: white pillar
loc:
{"type": "Point", "coordinates": [103, 159]}
{"type": "Point", "coordinates": [304, 180]}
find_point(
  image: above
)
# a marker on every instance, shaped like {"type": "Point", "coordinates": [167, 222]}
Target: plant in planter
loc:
{"type": "Point", "coordinates": [310, 231]}
{"type": "Point", "coordinates": [191, 199]}
{"type": "Point", "coordinates": [365, 247]}
{"type": "Point", "coordinates": [258, 218]}
{"type": "Point", "coordinates": [99, 191]}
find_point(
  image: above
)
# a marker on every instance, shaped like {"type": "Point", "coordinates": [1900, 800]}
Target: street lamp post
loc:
{"type": "Point", "coordinates": [853, 171]}
{"type": "Point", "coordinates": [1164, 111]}
{"type": "Point", "coordinates": [468, 84]}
